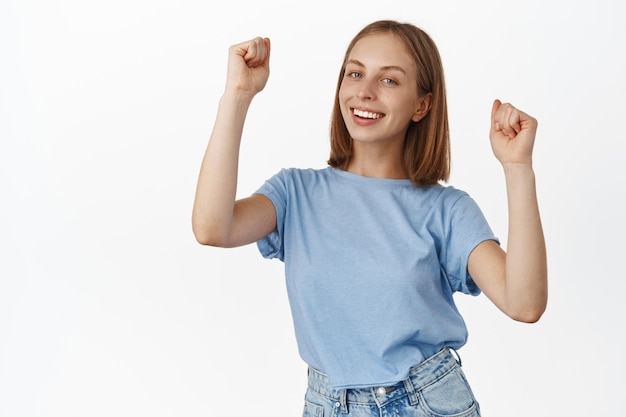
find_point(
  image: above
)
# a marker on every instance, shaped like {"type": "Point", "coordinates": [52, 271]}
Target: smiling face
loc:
{"type": "Point", "coordinates": [378, 96]}
{"type": "Point", "coordinates": [403, 118]}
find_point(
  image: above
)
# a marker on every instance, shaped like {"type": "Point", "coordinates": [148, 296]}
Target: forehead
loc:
{"type": "Point", "coordinates": [381, 49]}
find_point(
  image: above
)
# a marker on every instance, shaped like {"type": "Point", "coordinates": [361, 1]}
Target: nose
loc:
{"type": "Point", "coordinates": [365, 91]}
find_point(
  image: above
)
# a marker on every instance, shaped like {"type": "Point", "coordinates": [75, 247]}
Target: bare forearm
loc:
{"type": "Point", "coordinates": [217, 182]}
{"type": "Point", "coordinates": [516, 281]}
{"type": "Point", "coordinates": [526, 265]}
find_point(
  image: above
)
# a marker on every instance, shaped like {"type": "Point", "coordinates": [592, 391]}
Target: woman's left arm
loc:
{"type": "Point", "coordinates": [515, 281]}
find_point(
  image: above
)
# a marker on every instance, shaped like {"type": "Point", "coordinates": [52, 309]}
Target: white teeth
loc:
{"type": "Point", "coordinates": [367, 114]}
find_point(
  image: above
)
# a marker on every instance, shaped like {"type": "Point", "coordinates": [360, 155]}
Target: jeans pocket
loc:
{"type": "Point", "coordinates": [450, 396]}
{"type": "Point", "coordinates": [312, 410]}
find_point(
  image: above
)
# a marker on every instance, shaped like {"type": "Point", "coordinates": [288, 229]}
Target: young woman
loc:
{"type": "Point", "coordinates": [374, 245]}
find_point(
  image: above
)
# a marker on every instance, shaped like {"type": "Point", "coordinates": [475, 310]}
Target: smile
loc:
{"type": "Point", "coordinates": [367, 114]}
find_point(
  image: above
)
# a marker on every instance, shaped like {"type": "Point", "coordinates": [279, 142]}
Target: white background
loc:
{"type": "Point", "coordinates": [108, 306]}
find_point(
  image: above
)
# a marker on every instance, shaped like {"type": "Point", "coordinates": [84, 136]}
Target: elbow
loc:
{"type": "Point", "coordinates": [208, 237]}
{"type": "Point", "coordinates": [528, 315]}
{"type": "Point", "coordinates": [528, 306]}
{"type": "Point", "coordinates": [205, 240]}
{"type": "Point", "coordinates": [529, 318]}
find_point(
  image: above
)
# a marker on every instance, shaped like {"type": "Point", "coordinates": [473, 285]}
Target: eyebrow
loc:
{"type": "Point", "coordinates": [385, 68]}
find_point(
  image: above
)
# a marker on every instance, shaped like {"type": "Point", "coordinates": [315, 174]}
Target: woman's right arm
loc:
{"type": "Point", "coordinates": [217, 219]}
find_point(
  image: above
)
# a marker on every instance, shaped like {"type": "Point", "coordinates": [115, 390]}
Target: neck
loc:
{"type": "Point", "coordinates": [377, 163]}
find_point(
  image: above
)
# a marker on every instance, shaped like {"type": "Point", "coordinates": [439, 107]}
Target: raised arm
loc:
{"type": "Point", "coordinates": [516, 281]}
{"type": "Point", "coordinates": [217, 219]}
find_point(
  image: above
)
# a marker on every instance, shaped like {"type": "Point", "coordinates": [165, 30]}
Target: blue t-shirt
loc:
{"type": "Point", "coordinates": [371, 265]}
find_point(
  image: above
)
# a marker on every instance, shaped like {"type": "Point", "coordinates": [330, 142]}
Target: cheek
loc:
{"type": "Point", "coordinates": [345, 113]}
{"type": "Point", "coordinates": [343, 96]}
{"type": "Point", "coordinates": [410, 106]}
{"type": "Point", "coordinates": [344, 93]}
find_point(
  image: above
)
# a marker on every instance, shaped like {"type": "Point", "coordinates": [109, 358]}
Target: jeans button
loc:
{"type": "Point", "coordinates": [381, 391]}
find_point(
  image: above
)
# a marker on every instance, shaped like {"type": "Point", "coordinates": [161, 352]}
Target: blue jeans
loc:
{"type": "Point", "coordinates": [435, 388]}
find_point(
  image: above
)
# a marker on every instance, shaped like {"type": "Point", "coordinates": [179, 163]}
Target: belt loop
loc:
{"type": "Point", "coordinates": [410, 389]}
{"type": "Point", "coordinates": [456, 354]}
{"type": "Point", "coordinates": [343, 394]}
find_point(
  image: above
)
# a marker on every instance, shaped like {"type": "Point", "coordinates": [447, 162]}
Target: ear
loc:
{"type": "Point", "coordinates": [423, 107]}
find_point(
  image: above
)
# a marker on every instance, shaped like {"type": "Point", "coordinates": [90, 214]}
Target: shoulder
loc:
{"type": "Point", "coordinates": [459, 207]}
{"type": "Point", "coordinates": [291, 175]}
{"type": "Point", "coordinates": [452, 196]}
{"type": "Point", "coordinates": [450, 202]}
{"type": "Point", "coordinates": [288, 181]}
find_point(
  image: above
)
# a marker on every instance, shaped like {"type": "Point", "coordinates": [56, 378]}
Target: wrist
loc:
{"type": "Point", "coordinates": [236, 95]}
{"type": "Point", "coordinates": [237, 99]}
{"type": "Point", "coordinates": [517, 168]}
{"type": "Point", "coordinates": [518, 174]}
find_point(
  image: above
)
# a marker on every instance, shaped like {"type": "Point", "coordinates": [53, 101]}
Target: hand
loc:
{"type": "Point", "coordinates": [248, 66]}
{"type": "Point", "coordinates": [512, 134]}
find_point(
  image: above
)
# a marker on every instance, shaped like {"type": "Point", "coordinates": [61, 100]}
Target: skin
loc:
{"type": "Point", "coordinates": [380, 79]}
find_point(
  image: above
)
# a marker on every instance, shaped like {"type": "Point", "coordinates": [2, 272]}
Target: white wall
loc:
{"type": "Point", "coordinates": [108, 307]}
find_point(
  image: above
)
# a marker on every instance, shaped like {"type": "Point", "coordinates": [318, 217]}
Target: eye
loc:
{"type": "Point", "coordinates": [389, 81]}
{"type": "Point", "coordinates": [354, 74]}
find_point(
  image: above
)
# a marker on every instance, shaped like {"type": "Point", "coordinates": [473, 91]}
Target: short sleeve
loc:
{"type": "Point", "coordinates": [272, 245]}
{"type": "Point", "coordinates": [467, 228]}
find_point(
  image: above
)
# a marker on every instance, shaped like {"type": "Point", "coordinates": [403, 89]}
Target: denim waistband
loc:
{"type": "Point", "coordinates": [420, 376]}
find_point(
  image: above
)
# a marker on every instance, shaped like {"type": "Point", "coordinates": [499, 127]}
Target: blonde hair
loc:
{"type": "Point", "coordinates": [427, 142]}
